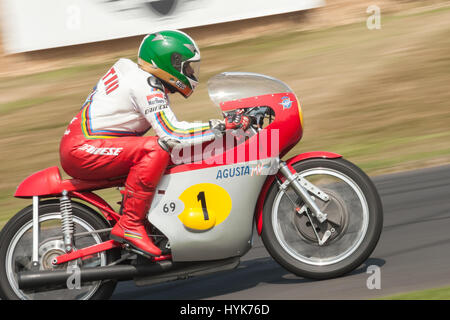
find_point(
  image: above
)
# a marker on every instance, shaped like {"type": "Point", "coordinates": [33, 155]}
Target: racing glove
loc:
{"type": "Point", "coordinates": [237, 121]}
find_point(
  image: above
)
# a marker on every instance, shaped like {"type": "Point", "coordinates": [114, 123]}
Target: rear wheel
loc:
{"type": "Point", "coordinates": [354, 221]}
{"type": "Point", "coordinates": [16, 252]}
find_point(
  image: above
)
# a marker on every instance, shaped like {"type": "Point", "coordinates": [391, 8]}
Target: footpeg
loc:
{"type": "Point", "coordinates": [131, 249]}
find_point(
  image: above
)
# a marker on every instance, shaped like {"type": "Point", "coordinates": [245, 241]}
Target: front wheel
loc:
{"type": "Point", "coordinates": [354, 221]}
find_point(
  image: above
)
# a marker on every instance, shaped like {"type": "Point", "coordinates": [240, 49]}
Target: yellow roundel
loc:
{"type": "Point", "coordinates": [205, 205]}
{"type": "Point", "coordinates": [195, 220]}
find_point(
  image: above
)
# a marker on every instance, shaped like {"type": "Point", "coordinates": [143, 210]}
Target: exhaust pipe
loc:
{"type": "Point", "coordinates": [142, 274]}
{"type": "Point", "coordinates": [36, 279]}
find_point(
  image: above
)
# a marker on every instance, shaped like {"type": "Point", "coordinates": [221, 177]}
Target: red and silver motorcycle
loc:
{"type": "Point", "coordinates": [319, 215]}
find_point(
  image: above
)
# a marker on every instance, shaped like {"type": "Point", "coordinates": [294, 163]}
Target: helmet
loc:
{"type": "Point", "coordinates": [173, 57]}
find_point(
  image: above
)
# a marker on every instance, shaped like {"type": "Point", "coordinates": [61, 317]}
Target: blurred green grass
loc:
{"type": "Point", "coordinates": [380, 98]}
{"type": "Point", "coordinates": [430, 294]}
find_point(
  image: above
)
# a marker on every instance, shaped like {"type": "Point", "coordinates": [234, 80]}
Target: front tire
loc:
{"type": "Point", "coordinates": [16, 252]}
{"type": "Point", "coordinates": [355, 218]}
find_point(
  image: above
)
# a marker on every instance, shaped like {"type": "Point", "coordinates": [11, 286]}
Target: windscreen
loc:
{"type": "Point", "coordinates": [229, 86]}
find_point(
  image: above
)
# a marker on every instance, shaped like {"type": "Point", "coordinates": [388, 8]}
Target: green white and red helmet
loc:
{"type": "Point", "coordinates": [173, 57]}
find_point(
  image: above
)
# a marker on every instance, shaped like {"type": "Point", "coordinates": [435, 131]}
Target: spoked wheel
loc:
{"type": "Point", "coordinates": [352, 229]}
{"type": "Point", "coordinates": [16, 253]}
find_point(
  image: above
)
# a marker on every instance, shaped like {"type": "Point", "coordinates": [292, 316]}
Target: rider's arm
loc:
{"type": "Point", "coordinates": [152, 102]}
{"type": "Point", "coordinates": [165, 123]}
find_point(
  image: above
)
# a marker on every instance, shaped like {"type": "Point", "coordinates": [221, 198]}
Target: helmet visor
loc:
{"type": "Point", "coordinates": [191, 69]}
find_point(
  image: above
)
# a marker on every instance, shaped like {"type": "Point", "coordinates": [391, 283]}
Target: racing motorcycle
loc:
{"type": "Point", "coordinates": [319, 215]}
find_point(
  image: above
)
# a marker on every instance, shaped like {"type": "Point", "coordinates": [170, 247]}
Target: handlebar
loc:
{"type": "Point", "coordinates": [255, 114]}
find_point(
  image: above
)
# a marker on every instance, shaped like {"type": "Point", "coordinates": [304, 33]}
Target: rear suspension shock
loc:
{"type": "Point", "coordinates": [66, 221]}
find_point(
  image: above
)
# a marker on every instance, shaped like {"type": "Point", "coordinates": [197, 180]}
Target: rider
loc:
{"type": "Point", "coordinates": [105, 139]}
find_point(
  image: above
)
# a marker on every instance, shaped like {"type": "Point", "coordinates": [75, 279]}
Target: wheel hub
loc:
{"type": "Point", "coordinates": [336, 222]}
{"type": "Point", "coordinates": [48, 251]}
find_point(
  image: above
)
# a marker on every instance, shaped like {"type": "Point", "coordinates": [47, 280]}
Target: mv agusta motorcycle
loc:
{"type": "Point", "coordinates": [319, 215]}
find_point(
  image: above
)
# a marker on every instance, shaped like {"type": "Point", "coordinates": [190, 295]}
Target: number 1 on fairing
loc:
{"type": "Point", "coordinates": [201, 198]}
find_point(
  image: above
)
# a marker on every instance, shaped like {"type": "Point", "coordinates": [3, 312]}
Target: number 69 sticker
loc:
{"type": "Point", "coordinates": [172, 207]}
{"type": "Point", "coordinates": [205, 205]}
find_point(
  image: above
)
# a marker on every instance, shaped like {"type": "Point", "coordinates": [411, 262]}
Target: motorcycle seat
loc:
{"type": "Point", "coordinates": [48, 182]}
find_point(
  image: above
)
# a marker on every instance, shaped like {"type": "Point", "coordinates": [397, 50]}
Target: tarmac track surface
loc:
{"type": "Point", "coordinates": [412, 254]}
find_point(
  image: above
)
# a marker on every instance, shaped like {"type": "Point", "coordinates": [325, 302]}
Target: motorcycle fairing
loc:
{"type": "Point", "coordinates": [231, 234]}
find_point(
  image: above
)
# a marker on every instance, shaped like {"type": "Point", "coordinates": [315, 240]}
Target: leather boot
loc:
{"type": "Point", "coordinates": [130, 228]}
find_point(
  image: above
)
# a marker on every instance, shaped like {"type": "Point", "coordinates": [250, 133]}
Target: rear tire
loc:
{"type": "Point", "coordinates": [16, 248]}
{"type": "Point", "coordinates": [294, 245]}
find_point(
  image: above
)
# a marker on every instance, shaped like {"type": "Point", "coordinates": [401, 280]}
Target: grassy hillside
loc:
{"type": "Point", "coordinates": [381, 97]}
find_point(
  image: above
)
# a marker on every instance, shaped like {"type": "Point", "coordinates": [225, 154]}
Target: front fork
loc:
{"type": "Point", "coordinates": [301, 188]}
